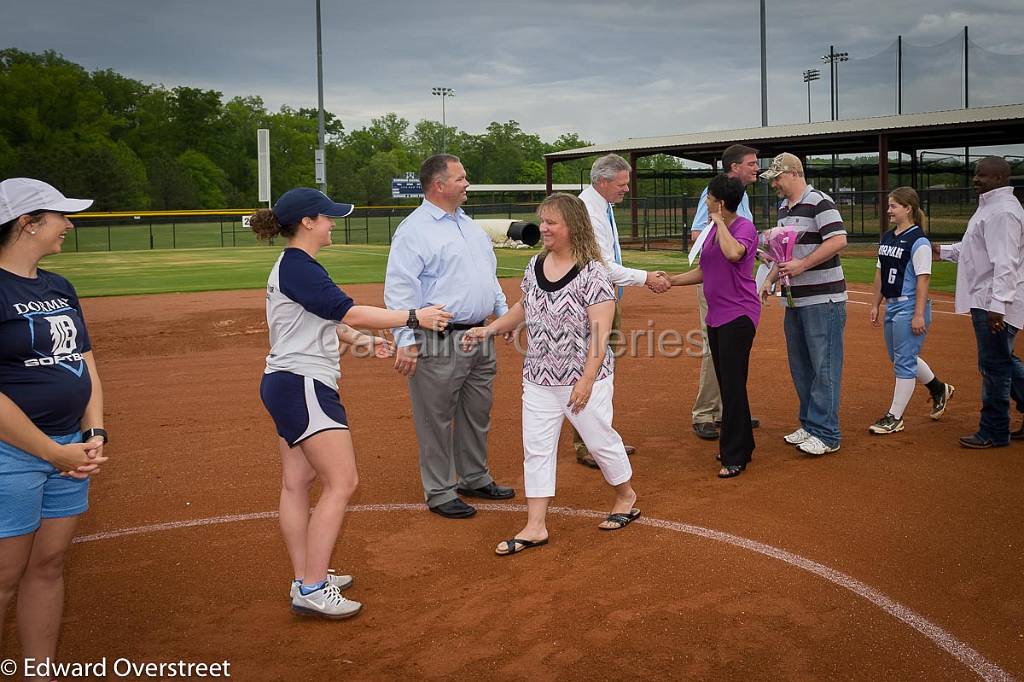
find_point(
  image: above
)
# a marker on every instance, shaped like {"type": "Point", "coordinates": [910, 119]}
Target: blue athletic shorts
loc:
{"type": "Point", "coordinates": [32, 489]}
{"type": "Point", "coordinates": [300, 406]}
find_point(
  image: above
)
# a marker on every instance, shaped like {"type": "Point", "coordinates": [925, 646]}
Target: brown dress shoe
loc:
{"type": "Point", "coordinates": [629, 450]}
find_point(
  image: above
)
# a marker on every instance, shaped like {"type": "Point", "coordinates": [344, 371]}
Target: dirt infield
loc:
{"type": "Point", "coordinates": [930, 527]}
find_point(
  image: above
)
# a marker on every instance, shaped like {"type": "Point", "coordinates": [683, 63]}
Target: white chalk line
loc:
{"type": "Point", "coordinates": [935, 302]}
{"type": "Point", "coordinates": [972, 659]}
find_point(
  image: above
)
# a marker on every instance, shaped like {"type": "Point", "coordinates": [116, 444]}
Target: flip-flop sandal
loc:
{"type": "Point", "coordinates": [516, 545]}
{"type": "Point", "coordinates": [622, 519]}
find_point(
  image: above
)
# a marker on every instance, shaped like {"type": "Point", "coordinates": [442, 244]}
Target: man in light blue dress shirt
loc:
{"type": "Point", "coordinates": [738, 161]}
{"type": "Point", "coordinates": [440, 255]}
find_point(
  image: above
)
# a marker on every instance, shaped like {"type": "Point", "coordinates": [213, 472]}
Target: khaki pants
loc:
{"type": "Point", "coordinates": [707, 407]}
{"type": "Point", "coordinates": [577, 440]}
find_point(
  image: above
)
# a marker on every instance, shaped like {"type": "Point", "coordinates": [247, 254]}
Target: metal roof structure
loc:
{"type": "Point", "coordinates": [538, 187]}
{"type": "Point", "coordinates": [905, 133]}
{"type": "Point", "coordinates": [979, 127]}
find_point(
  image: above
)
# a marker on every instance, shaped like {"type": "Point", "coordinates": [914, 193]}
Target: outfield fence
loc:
{"type": "Point", "coordinates": [663, 222]}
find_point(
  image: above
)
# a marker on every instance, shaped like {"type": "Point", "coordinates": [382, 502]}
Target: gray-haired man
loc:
{"type": "Point", "coordinates": [609, 183]}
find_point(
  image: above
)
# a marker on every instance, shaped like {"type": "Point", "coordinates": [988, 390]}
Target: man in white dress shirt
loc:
{"type": "Point", "coordinates": [990, 286]}
{"type": "Point", "coordinates": [609, 183]}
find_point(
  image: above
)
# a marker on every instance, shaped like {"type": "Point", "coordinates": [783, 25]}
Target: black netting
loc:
{"type": "Point", "coordinates": [933, 76]}
{"type": "Point", "coordinates": [867, 87]}
{"type": "Point", "coordinates": [994, 78]}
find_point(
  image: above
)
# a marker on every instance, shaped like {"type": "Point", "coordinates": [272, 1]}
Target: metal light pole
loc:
{"type": "Point", "coordinates": [443, 93]}
{"type": "Point", "coordinates": [810, 75]}
{"type": "Point", "coordinates": [764, 68]}
{"type": "Point", "coordinates": [319, 166]}
{"type": "Point", "coordinates": [831, 58]}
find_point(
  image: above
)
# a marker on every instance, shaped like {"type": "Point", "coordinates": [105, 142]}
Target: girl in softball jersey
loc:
{"type": "Point", "coordinates": [567, 305]}
{"type": "Point", "coordinates": [309, 318]}
{"type": "Point", "coordinates": [902, 274]}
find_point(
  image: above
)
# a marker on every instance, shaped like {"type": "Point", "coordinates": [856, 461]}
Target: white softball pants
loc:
{"type": "Point", "coordinates": [544, 410]}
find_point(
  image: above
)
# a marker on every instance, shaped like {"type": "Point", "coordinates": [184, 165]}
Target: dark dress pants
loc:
{"type": "Point", "coordinates": [730, 350]}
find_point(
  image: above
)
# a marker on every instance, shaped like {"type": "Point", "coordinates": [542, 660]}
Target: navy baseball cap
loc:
{"type": "Point", "coordinates": [305, 202]}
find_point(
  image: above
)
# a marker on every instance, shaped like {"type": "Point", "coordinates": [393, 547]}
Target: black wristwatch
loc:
{"type": "Point", "coordinates": [413, 321]}
{"type": "Point", "coordinates": [92, 433]}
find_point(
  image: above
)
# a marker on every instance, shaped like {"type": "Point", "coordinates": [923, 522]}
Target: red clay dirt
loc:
{"type": "Point", "coordinates": [927, 524]}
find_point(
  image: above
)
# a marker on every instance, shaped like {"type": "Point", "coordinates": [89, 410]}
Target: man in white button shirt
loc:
{"type": "Point", "coordinates": [990, 286]}
{"type": "Point", "coordinates": [609, 183]}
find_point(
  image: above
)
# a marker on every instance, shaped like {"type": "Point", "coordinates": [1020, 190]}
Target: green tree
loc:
{"type": "Point", "coordinates": [207, 177]}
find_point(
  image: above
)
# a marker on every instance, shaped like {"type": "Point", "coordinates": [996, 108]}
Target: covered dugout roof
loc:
{"type": "Point", "coordinates": [538, 187]}
{"type": "Point", "coordinates": [985, 126]}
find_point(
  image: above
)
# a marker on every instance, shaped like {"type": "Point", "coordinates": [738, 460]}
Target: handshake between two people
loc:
{"type": "Point", "coordinates": [658, 281]}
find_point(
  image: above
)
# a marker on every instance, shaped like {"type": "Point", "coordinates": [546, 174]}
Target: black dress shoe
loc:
{"type": "Point", "coordinates": [454, 509]}
{"type": "Point", "coordinates": [1018, 434]}
{"type": "Point", "coordinates": [976, 442]}
{"type": "Point", "coordinates": [706, 430]}
{"type": "Point", "coordinates": [491, 491]}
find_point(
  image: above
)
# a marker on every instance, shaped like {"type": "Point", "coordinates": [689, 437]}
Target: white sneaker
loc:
{"type": "Point", "coordinates": [814, 446]}
{"type": "Point", "coordinates": [326, 602]}
{"type": "Point", "coordinates": [342, 582]}
{"type": "Point", "coordinates": [797, 437]}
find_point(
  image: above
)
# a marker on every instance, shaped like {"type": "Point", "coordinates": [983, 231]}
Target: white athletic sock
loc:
{"type": "Point", "coordinates": [924, 372]}
{"type": "Point", "coordinates": [901, 396]}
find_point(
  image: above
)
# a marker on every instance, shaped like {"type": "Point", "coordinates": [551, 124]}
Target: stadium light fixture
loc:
{"type": "Point", "coordinates": [810, 75]}
{"type": "Point", "coordinates": [832, 58]}
{"type": "Point", "coordinates": [443, 93]}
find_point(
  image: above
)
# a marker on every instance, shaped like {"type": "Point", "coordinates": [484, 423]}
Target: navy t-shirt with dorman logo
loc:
{"type": "Point", "coordinates": [42, 338]}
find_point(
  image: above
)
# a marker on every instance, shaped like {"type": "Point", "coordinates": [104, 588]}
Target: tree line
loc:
{"type": "Point", "coordinates": [136, 146]}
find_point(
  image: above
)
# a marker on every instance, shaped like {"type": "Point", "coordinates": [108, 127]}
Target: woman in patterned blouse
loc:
{"type": "Point", "coordinates": [567, 305]}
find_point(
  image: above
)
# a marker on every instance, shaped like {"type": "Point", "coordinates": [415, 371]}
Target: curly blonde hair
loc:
{"type": "Point", "coordinates": [581, 233]}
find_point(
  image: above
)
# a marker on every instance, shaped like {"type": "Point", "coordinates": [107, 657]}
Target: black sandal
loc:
{"type": "Point", "coordinates": [516, 545]}
{"type": "Point", "coordinates": [622, 519]}
{"type": "Point", "coordinates": [731, 470]}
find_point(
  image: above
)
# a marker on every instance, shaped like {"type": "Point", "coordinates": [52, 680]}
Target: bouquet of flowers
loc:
{"type": "Point", "coordinates": [776, 246]}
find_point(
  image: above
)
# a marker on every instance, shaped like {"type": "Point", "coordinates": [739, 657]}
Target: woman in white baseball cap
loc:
{"type": "Point", "coordinates": [51, 411]}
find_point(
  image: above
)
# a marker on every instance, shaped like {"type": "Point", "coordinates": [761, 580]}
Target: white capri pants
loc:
{"type": "Point", "coordinates": [544, 409]}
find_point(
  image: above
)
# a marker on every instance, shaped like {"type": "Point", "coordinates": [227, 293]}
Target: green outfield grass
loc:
{"type": "Point", "coordinates": [210, 269]}
{"type": "Point", "coordinates": [93, 235]}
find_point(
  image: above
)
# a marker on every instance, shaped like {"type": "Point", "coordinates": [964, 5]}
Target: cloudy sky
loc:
{"type": "Point", "coordinates": [605, 70]}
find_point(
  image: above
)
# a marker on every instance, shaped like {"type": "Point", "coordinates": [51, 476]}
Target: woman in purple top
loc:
{"type": "Point", "coordinates": [726, 270]}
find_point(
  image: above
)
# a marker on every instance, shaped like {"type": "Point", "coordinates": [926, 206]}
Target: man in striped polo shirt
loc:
{"type": "Point", "coordinates": [815, 322]}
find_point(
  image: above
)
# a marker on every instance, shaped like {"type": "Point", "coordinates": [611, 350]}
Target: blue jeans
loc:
{"type": "Point", "coordinates": [1002, 377]}
{"type": "Point", "coordinates": [814, 343]}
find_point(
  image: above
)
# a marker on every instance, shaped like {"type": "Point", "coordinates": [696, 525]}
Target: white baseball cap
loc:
{"type": "Point", "coordinates": [19, 196]}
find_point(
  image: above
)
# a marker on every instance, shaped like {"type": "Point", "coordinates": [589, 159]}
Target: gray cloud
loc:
{"type": "Point", "coordinates": [606, 70]}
